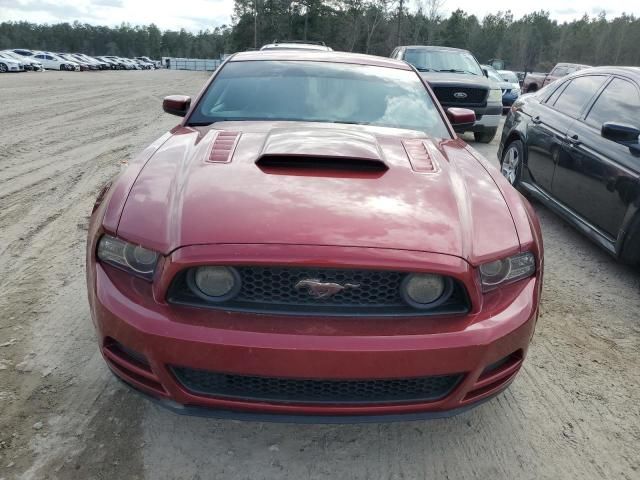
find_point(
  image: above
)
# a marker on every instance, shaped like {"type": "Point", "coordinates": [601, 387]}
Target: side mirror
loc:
{"type": "Point", "coordinates": [461, 118]}
{"type": "Point", "coordinates": [620, 132]}
{"type": "Point", "coordinates": [176, 104]}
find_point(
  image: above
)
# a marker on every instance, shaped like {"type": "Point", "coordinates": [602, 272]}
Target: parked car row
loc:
{"type": "Point", "coordinates": [21, 59]}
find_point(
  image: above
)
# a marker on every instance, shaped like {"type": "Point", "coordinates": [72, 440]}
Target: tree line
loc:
{"type": "Point", "coordinates": [535, 41]}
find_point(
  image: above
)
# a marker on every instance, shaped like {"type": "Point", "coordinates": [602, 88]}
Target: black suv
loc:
{"type": "Point", "coordinates": [458, 81]}
{"type": "Point", "coordinates": [574, 145]}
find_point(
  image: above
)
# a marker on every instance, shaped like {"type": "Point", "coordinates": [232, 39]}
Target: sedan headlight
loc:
{"type": "Point", "coordinates": [426, 290]}
{"type": "Point", "coordinates": [127, 256]}
{"type": "Point", "coordinates": [495, 95]}
{"type": "Point", "coordinates": [507, 270]}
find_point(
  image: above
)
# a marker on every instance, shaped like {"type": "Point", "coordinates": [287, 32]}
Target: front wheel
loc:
{"type": "Point", "coordinates": [485, 137]}
{"type": "Point", "coordinates": [3, 68]}
{"type": "Point", "coordinates": [512, 161]}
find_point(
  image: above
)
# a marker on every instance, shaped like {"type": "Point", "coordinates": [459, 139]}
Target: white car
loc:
{"type": "Point", "coordinates": [155, 63]}
{"type": "Point", "coordinates": [125, 62]}
{"type": "Point", "coordinates": [135, 65]}
{"type": "Point", "coordinates": [30, 64]}
{"type": "Point", "coordinates": [51, 61]}
{"type": "Point", "coordinates": [8, 64]}
{"type": "Point", "coordinates": [144, 64]}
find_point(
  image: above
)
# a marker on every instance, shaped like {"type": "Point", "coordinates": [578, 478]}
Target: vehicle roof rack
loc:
{"type": "Point", "coordinates": [310, 42]}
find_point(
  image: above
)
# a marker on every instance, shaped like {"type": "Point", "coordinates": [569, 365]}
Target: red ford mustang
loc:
{"type": "Point", "coordinates": [314, 242]}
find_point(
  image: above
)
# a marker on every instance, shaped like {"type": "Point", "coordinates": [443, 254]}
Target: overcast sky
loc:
{"type": "Point", "coordinates": [200, 14]}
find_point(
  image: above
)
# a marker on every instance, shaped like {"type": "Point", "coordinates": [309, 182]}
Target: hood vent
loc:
{"type": "Point", "coordinates": [223, 147]}
{"type": "Point", "coordinates": [310, 163]}
{"type": "Point", "coordinates": [419, 156]}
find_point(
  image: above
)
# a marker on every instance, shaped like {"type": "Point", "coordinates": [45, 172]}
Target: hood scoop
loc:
{"type": "Point", "coordinates": [319, 151]}
{"type": "Point", "coordinates": [274, 163]}
{"type": "Point", "coordinates": [223, 147]}
{"type": "Point", "coordinates": [419, 156]}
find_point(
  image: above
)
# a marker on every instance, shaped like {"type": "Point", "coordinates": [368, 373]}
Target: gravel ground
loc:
{"type": "Point", "coordinates": [573, 412]}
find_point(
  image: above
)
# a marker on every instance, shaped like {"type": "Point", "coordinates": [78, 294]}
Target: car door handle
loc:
{"type": "Point", "coordinates": [574, 141]}
{"type": "Point", "coordinates": [536, 120]}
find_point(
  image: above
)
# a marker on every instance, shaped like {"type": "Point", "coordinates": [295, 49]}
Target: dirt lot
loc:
{"type": "Point", "coordinates": [574, 412]}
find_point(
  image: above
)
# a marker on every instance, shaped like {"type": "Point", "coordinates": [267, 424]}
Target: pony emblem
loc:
{"type": "Point", "coordinates": [318, 289]}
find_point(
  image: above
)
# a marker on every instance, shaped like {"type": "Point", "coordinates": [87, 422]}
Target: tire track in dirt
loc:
{"type": "Point", "coordinates": [49, 182]}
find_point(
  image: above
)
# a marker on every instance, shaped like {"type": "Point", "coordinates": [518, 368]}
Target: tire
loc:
{"type": "Point", "coordinates": [512, 161]}
{"type": "Point", "coordinates": [485, 137]}
{"type": "Point", "coordinates": [3, 68]}
{"type": "Point", "coordinates": [63, 66]}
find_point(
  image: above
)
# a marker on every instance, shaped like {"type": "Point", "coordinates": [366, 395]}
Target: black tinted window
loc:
{"type": "Point", "coordinates": [573, 99]}
{"type": "Point", "coordinates": [618, 103]}
{"type": "Point", "coordinates": [554, 96]}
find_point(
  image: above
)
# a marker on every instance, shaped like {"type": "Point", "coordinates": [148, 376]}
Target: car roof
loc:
{"type": "Point", "coordinates": [435, 47]}
{"type": "Point", "coordinates": [319, 56]}
{"type": "Point", "coordinates": [564, 64]}
{"type": "Point", "coordinates": [628, 71]}
{"type": "Point", "coordinates": [296, 45]}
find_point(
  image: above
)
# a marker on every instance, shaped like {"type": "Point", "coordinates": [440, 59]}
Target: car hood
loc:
{"type": "Point", "coordinates": [438, 79]}
{"type": "Point", "coordinates": [397, 189]}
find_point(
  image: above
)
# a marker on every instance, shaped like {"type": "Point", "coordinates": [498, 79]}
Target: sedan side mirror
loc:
{"type": "Point", "coordinates": [461, 118]}
{"type": "Point", "coordinates": [620, 132]}
{"type": "Point", "coordinates": [176, 104]}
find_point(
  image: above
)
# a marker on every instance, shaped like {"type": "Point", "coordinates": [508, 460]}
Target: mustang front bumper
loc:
{"type": "Point", "coordinates": [147, 342]}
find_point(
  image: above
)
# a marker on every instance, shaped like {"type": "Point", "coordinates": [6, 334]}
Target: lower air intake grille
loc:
{"type": "Point", "coordinates": [285, 390]}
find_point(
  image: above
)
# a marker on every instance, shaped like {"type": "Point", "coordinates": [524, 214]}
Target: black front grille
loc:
{"type": "Point", "coordinates": [276, 290]}
{"type": "Point", "coordinates": [448, 95]}
{"type": "Point", "coordinates": [286, 390]}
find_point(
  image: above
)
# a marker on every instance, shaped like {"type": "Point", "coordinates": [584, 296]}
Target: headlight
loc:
{"type": "Point", "coordinates": [426, 290]}
{"type": "Point", "coordinates": [214, 284]}
{"type": "Point", "coordinates": [507, 270]}
{"type": "Point", "coordinates": [127, 256]}
{"type": "Point", "coordinates": [495, 95]}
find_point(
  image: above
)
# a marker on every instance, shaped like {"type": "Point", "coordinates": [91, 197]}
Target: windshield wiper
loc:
{"type": "Point", "coordinates": [423, 69]}
{"type": "Point", "coordinates": [349, 123]}
{"type": "Point", "coordinates": [453, 70]}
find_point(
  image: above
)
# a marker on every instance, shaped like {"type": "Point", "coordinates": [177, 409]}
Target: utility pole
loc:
{"type": "Point", "coordinates": [399, 20]}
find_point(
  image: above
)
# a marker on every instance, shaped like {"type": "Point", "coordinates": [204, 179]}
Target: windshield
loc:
{"type": "Point", "coordinates": [12, 55]}
{"type": "Point", "coordinates": [320, 92]}
{"type": "Point", "coordinates": [508, 76]}
{"type": "Point", "coordinates": [442, 61]}
{"type": "Point", "coordinates": [494, 76]}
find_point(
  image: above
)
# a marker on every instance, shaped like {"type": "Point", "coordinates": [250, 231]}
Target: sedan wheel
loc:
{"type": "Point", "coordinates": [3, 68]}
{"type": "Point", "coordinates": [512, 162]}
